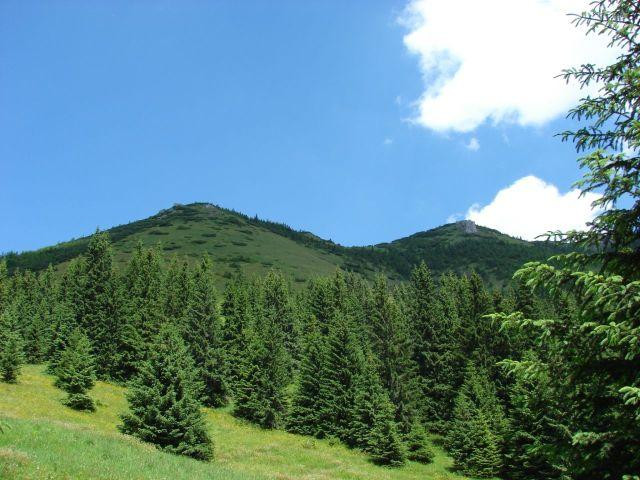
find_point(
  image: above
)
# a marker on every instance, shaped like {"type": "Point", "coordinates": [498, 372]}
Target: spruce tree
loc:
{"type": "Point", "coordinates": [263, 375]}
{"type": "Point", "coordinates": [344, 366]}
{"type": "Point", "coordinates": [237, 314]}
{"type": "Point", "coordinates": [305, 413]}
{"type": "Point", "coordinates": [177, 289]}
{"type": "Point", "coordinates": [63, 325]}
{"type": "Point", "coordinates": [26, 303]}
{"type": "Point", "coordinates": [202, 332]}
{"type": "Point", "coordinates": [484, 460]}
{"type": "Point", "coordinates": [417, 445]}
{"type": "Point", "coordinates": [143, 286]}
{"type": "Point", "coordinates": [72, 287]}
{"type": "Point", "coordinates": [476, 331]}
{"type": "Point", "coordinates": [49, 299]}
{"type": "Point", "coordinates": [537, 424]}
{"type": "Point", "coordinates": [4, 285]}
{"type": "Point", "coordinates": [369, 395]}
{"type": "Point", "coordinates": [163, 400]}
{"type": "Point", "coordinates": [100, 310]}
{"type": "Point", "coordinates": [320, 301]}
{"type": "Point", "coordinates": [394, 347]}
{"type": "Point", "coordinates": [373, 427]}
{"type": "Point", "coordinates": [75, 372]}
{"type": "Point", "coordinates": [11, 345]}
{"type": "Point", "coordinates": [327, 297]}
{"type": "Point", "coordinates": [131, 343]}
{"type": "Point", "coordinates": [477, 430]}
{"type": "Point", "coordinates": [385, 444]}
{"type": "Point", "coordinates": [276, 302]}
{"type": "Point", "coordinates": [436, 340]}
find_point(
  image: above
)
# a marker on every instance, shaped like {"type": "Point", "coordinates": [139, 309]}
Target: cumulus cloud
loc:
{"type": "Point", "coordinates": [387, 141]}
{"type": "Point", "coordinates": [496, 60]}
{"type": "Point", "coordinates": [473, 145]}
{"type": "Point", "coordinates": [531, 207]}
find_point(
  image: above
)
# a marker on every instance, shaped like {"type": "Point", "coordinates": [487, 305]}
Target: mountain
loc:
{"type": "Point", "coordinates": [237, 242]}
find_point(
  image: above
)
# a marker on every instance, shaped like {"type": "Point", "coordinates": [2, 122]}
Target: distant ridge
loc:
{"type": "Point", "coordinates": [240, 243]}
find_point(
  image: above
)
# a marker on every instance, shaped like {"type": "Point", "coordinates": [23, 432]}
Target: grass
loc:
{"type": "Point", "coordinates": [46, 440]}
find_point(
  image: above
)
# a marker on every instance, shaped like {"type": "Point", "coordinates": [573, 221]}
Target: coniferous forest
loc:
{"type": "Point", "coordinates": [539, 379]}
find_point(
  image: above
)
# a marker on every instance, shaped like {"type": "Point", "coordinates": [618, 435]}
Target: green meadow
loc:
{"type": "Point", "coordinates": [46, 440]}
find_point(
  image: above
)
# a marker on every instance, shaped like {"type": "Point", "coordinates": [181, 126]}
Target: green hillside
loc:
{"type": "Point", "coordinates": [46, 440]}
{"type": "Point", "coordinates": [495, 256]}
{"type": "Point", "coordinates": [237, 242]}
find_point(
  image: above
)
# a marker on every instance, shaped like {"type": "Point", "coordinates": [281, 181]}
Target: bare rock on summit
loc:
{"type": "Point", "coordinates": [467, 226]}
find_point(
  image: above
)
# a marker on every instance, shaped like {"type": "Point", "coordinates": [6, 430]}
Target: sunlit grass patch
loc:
{"type": "Point", "coordinates": [46, 440]}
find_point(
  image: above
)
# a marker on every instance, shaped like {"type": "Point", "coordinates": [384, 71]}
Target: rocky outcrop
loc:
{"type": "Point", "coordinates": [467, 226]}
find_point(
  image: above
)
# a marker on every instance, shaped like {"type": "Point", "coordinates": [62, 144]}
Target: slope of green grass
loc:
{"type": "Point", "coordinates": [49, 441]}
{"type": "Point", "coordinates": [234, 242]}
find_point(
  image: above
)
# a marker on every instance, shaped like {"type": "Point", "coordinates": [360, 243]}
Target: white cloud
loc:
{"type": "Point", "coordinates": [387, 141]}
{"type": "Point", "coordinates": [453, 218]}
{"type": "Point", "coordinates": [531, 207]}
{"type": "Point", "coordinates": [473, 145]}
{"type": "Point", "coordinates": [496, 60]}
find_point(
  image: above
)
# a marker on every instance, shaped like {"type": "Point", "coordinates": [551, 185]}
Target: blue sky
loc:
{"type": "Point", "coordinates": [302, 112]}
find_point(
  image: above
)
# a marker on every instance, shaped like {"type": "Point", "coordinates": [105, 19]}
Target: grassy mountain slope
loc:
{"type": "Point", "coordinates": [49, 441]}
{"type": "Point", "coordinates": [234, 241]}
{"type": "Point", "coordinates": [237, 242]}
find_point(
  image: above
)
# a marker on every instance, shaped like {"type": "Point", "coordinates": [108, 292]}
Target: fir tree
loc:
{"type": "Point", "coordinates": [131, 343]}
{"type": "Point", "coordinates": [344, 366]}
{"type": "Point", "coordinates": [177, 289]}
{"type": "Point", "coordinates": [435, 344]}
{"type": "Point", "coordinates": [484, 460]}
{"type": "Point", "coordinates": [11, 353]}
{"type": "Point", "coordinates": [276, 302]}
{"type": "Point", "coordinates": [537, 425]}
{"type": "Point", "coordinates": [4, 286]}
{"type": "Point", "coordinates": [72, 288]}
{"type": "Point", "coordinates": [264, 373]}
{"type": "Point", "coordinates": [305, 414]}
{"type": "Point", "coordinates": [320, 302]}
{"type": "Point", "coordinates": [372, 427]}
{"type": "Point", "coordinates": [368, 397]}
{"type": "Point", "coordinates": [418, 449]}
{"type": "Point", "coordinates": [49, 299]}
{"type": "Point", "coordinates": [236, 311]}
{"type": "Point", "coordinates": [477, 333]}
{"type": "Point", "coordinates": [385, 444]}
{"type": "Point", "coordinates": [203, 336]}
{"type": "Point", "coordinates": [476, 433]}
{"type": "Point", "coordinates": [100, 313]}
{"type": "Point", "coordinates": [64, 323]}
{"type": "Point", "coordinates": [27, 304]}
{"type": "Point", "coordinates": [393, 345]}
{"type": "Point", "coordinates": [163, 400]}
{"type": "Point", "coordinates": [75, 372]}
{"type": "Point", "coordinates": [143, 285]}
